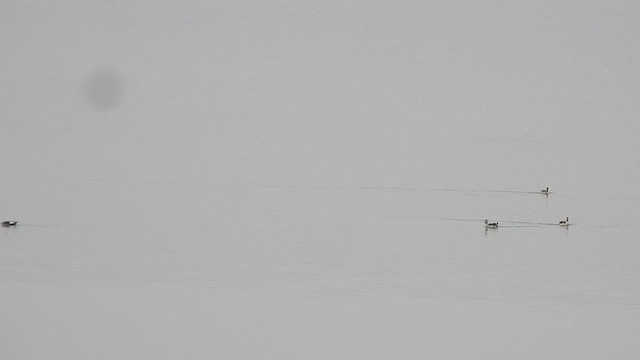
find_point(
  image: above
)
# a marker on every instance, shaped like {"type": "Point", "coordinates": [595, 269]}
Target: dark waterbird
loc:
{"type": "Point", "coordinates": [9, 223]}
{"type": "Point", "coordinates": [492, 225]}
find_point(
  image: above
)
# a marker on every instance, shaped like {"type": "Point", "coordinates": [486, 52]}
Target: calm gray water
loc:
{"type": "Point", "coordinates": [302, 180]}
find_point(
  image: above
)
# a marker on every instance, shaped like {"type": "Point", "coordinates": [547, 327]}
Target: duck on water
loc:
{"type": "Point", "coordinates": [493, 225]}
{"type": "Point", "coordinates": [9, 223]}
{"type": "Point", "coordinates": [545, 191]}
{"type": "Point", "coordinates": [564, 222]}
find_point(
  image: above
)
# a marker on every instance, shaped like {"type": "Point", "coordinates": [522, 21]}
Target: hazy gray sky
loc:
{"type": "Point", "coordinates": [304, 90]}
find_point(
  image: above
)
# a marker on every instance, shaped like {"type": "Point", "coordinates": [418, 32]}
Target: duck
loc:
{"type": "Point", "coordinates": [490, 225]}
{"type": "Point", "coordinates": [9, 223]}
{"type": "Point", "coordinates": [545, 191]}
{"type": "Point", "coordinates": [564, 222]}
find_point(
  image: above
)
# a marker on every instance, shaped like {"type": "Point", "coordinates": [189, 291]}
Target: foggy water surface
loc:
{"type": "Point", "coordinates": [296, 180]}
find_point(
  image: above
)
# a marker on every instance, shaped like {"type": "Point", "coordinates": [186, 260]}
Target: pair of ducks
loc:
{"type": "Point", "coordinates": [562, 222]}
{"type": "Point", "coordinates": [494, 225]}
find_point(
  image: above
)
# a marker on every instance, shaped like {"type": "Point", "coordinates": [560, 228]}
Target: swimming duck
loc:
{"type": "Point", "coordinates": [564, 222]}
{"type": "Point", "coordinates": [545, 191]}
{"type": "Point", "coordinates": [490, 225]}
{"type": "Point", "coordinates": [9, 223]}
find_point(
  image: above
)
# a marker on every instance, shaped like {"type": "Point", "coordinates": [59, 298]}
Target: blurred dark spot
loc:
{"type": "Point", "coordinates": [104, 90]}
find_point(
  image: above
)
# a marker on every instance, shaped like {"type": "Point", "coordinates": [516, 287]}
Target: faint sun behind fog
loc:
{"type": "Point", "coordinates": [103, 90]}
